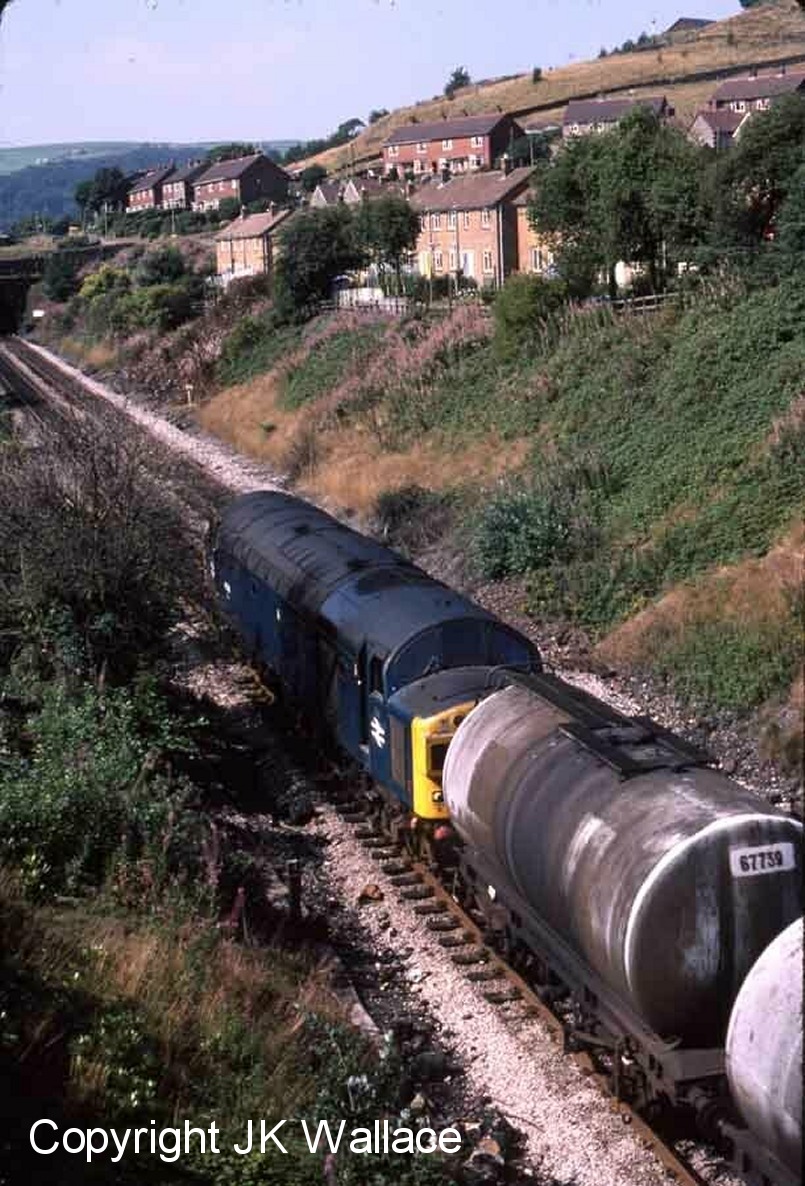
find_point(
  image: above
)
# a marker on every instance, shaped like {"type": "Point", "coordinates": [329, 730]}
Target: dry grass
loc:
{"type": "Point", "coordinates": [750, 38]}
{"type": "Point", "coordinates": [349, 467]}
{"type": "Point", "coordinates": [754, 591]}
{"type": "Point", "coordinates": [95, 356]}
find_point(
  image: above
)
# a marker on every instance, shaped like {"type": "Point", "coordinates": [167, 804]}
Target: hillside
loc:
{"type": "Point", "coordinates": [47, 188]}
{"type": "Point", "coordinates": [767, 34]}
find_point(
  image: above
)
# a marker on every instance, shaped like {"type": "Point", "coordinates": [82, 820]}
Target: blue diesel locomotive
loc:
{"type": "Point", "coordinates": [388, 660]}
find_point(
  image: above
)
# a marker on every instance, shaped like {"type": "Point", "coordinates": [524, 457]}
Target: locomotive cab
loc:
{"type": "Point", "coordinates": [424, 718]}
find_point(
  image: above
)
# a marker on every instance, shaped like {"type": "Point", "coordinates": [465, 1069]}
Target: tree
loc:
{"type": "Point", "coordinates": [756, 177]}
{"type": "Point", "coordinates": [60, 276]}
{"type": "Point", "coordinates": [83, 195]}
{"type": "Point", "coordinates": [459, 78]}
{"type": "Point", "coordinates": [316, 246]}
{"type": "Point", "coordinates": [631, 194]}
{"type": "Point", "coordinates": [230, 152]}
{"type": "Point", "coordinates": [312, 176]}
{"type": "Point", "coordinates": [348, 129]}
{"type": "Point", "coordinates": [228, 208]}
{"type": "Point", "coordinates": [387, 229]}
{"type": "Point", "coordinates": [791, 219]}
{"type": "Point", "coordinates": [163, 266]}
{"type": "Point", "coordinates": [377, 114]}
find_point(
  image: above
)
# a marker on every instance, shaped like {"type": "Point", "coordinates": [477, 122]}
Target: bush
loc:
{"type": "Point", "coordinates": [521, 307]}
{"type": "Point", "coordinates": [60, 277]}
{"type": "Point", "coordinates": [164, 266]}
{"type": "Point", "coordinates": [556, 518]}
{"type": "Point", "coordinates": [86, 789]}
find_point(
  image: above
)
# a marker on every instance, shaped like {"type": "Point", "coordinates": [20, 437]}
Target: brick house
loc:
{"type": "Point", "coordinates": [469, 225]}
{"type": "Point", "coordinates": [146, 192]}
{"type": "Point", "coordinates": [717, 129]}
{"type": "Point", "coordinates": [177, 191]}
{"type": "Point", "coordinates": [755, 92]}
{"type": "Point", "coordinates": [586, 116]}
{"type": "Point", "coordinates": [248, 245]}
{"type": "Point", "coordinates": [247, 179]}
{"type": "Point", "coordinates": [534, 254]}
{"type": "Point", "coordinates": [461, 145]}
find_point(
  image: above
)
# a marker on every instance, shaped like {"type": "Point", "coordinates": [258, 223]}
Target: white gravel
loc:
{"type": "Point", "coordinates": [572, 1131]}
{"type": "Point", "coordinates": [229, 468]}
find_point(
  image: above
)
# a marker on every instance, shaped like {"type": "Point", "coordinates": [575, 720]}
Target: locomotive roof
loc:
{"type": "Point", "coordinates": [372, 594]}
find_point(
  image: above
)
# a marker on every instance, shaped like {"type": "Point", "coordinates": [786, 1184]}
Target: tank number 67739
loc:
{"type": "Point", "coordinates": [770, 858]}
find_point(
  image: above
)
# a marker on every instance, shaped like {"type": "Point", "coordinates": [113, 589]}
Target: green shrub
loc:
{"type": "Point", "coordinates": [83, 787]}
{"type": "Point", "coordinates": [521, 308]}
{"type": "Point", "coordinates": [60, 277]}
{"type": "Point", "coordinates": [254, 346]}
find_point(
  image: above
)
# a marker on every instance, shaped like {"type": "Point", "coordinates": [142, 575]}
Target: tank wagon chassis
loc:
{"type": "Point", "coordinates": [597, 853]}
{"type": "Point", "coordinates": [660, 1091]}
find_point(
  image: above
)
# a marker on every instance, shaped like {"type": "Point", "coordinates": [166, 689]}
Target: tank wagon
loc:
{"type": "Point", "coordinates": [764, 1048]}
{"type": "Point", "coordinates": [639, 885]}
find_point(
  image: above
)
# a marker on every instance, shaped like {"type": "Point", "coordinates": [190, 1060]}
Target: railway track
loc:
{"type": "Point", "coordinates": [430, 898]}
{"type": "Point", "coordinates": [45, 390]}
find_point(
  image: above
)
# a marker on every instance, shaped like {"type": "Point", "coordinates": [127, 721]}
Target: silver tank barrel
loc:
{"type": "Point", "coordinates": [764, 1048]}
{"type": "Point", "coordinates": [668, 883]}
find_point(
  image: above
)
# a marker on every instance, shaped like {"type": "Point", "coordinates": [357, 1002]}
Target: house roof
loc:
{"type": "Point", "coordinates": [187, 172]}
{"type": "Point", "coordinates": [252, 226]}
{"type": "Point", "coordinates": [722, 121]}
{"type": "Point", "coordinates": [447, 129]}
{"type": "Point", "coordinates": [470, 191]}
{"type": "Point", "coordinates": [151, 178]}
{"type": "Point", "coordinates": [373, 187]}
{"type": "Point", "coordinates": [687, 22]}
{"type": "Point", "coordinates": [763, 87]}
{"type": "Point", "coordinates": [593, 111]}
{"type": "Point", "coordinates": [227, 170]}
{"type": "Point", "coordinates": [538, 127]}
{"type": "Point", "coordinates": [329, 190]}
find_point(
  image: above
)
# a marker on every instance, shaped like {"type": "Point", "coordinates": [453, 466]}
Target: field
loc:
{"type": "Point", "coordinates": [762, 34]}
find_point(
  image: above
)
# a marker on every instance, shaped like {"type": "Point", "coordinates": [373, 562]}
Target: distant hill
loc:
{"type": "Point", "coordinates": [41, 178]}
{"type": "Point", "coordinates": [685, 69]}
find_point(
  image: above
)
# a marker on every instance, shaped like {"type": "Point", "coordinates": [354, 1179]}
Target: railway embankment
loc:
{"type": "Point", "coordinates": [627, 487]}
{"type": "Point", "coordinates": [153, 963]}
{"type": "Point", "coordinates": [446, 1054]}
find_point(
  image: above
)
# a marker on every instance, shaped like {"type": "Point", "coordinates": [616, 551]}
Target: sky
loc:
{"type": "Point", "coordinates": [207, 70]}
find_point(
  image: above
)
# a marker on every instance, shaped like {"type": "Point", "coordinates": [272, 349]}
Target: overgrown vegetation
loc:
{"type": "Point", "coordinates": [130, 992]}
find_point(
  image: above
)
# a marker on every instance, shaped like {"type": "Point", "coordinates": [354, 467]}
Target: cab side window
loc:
{"type": "Point", "coordinates": [375, 675]}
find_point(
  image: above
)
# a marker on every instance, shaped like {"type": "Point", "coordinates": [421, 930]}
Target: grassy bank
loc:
{"type": "Point", "coordinates": [612, 459]}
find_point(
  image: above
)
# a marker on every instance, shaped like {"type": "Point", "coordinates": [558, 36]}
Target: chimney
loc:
{"type": "Point", "coordinates": [782, 70]}
{"type": "Point", "coordinates": [243, 212]}
{"type": "Point", "coordinates": [753, 72]}
{"type": "Point", "coordinates": [506, 164]}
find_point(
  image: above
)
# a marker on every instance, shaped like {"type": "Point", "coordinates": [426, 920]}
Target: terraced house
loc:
{"type": "Point", "coordinates": [468, 225]}
{"type": "Point", "coordinates": [146, 192]}
{"type": "Point", "coordinates": [177, 191]}
{"type": "Point", "coordinates": [584, 117]}
{"type": "Point", "coordinates": [247, 179]}
{"type": "Point", "coordinates": [459, 145]}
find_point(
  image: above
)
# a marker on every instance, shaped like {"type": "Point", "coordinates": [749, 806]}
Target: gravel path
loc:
{"type": "Point", "coordinates": [572, 1133]}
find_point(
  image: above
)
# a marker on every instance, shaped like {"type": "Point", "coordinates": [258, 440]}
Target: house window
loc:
{"type": "Point", "coordinates": [574, 128]}
{"type": "Point", "coordinates": [417, 166]}
{"type": "Point", "coordinates": [488, 266]}
{"type": "Point", "coordinates": [435, 222]}
{"type": "Point", "coordinates": [451, 220]}
{"type": "Point", "coordinates": [739, 106]}
{"type": "Point", "coordinates": [453, 260]}
{"type": "Point", "coordinates": [475, 162]}
{"type": "Point", "coordinates": [467, 220]}
{"type": "Point", "coordinates": [438, 262]}
{"type": "Point", "coordinates": [422, 146]}
{"type": "Point", "coordinates": [537, 260]}
{"type": "Point", "coordinates": [477, 141]}
{"type": "Point", "coordinates": [446, 144]}
{"type": "Point", "coordinates": [393, 150]}
{"type": "Point", "coordinates": [375, 674]}
{"type": "Point", "coordinates": [484, 218]}
{"type": "Point", "coordinates": [423, 222]}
